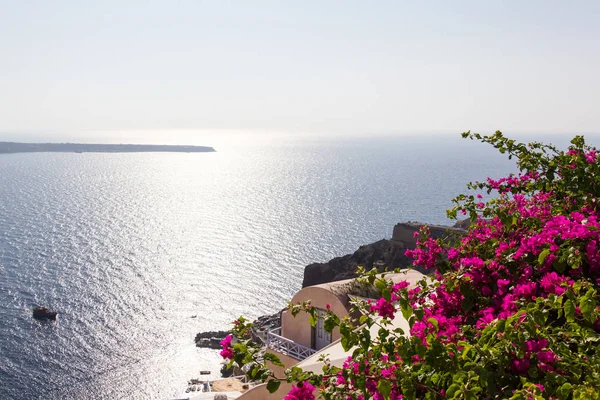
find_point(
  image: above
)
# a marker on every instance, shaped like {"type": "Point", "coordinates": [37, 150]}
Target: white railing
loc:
{"type": "Point", "coordinates": [286, 346]}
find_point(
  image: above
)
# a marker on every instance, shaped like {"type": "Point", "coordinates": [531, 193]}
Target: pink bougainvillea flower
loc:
{"type": "Point", "coordinates": [303, 391]}
{"type": "Point", "coordinates": [227, 351]}
{"type": "Point", "coordinates": [520, 365]}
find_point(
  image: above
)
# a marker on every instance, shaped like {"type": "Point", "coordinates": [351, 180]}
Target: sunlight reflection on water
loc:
{"type": "Point", "coordinates": [128, 247]}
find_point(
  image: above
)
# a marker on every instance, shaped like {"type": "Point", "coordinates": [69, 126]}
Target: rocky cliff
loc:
{"type": "Point", "coordinates": [381, 254]}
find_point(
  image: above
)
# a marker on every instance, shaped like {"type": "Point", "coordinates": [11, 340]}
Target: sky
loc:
{"type": "Point", "coordinates": [93, 68]}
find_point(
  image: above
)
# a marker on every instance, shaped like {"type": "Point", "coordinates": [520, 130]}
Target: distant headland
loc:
{"type": "Point", "coordinates": [14, 147]}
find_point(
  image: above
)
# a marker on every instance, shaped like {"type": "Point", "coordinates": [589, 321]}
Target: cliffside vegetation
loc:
{"type": "Point", "coordinates": [514, 308]}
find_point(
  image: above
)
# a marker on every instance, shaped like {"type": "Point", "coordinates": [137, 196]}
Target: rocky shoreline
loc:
{"type": "Point", "coordinates": [212, 339]}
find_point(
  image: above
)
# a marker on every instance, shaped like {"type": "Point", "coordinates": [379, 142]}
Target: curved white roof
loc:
{"type": "Point", "coordinates": [335, 351]}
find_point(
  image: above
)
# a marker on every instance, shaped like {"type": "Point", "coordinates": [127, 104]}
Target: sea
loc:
{"type": "Point", "coordinates": [138, 252]}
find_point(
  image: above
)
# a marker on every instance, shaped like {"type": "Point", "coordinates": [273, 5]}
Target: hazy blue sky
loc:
{"type": "Point", "coordinates": [302, 66]}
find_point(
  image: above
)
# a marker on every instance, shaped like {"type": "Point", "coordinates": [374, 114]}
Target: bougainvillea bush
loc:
{"type": "Point", "coordinates": [512, 310]}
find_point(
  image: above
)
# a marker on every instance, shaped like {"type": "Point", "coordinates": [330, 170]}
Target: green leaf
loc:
{"type": "Point", "coordinates": [452, 391]}
{"type": "Point", "coordinates": [254, 371]}
{"type": "Point", "coordinates": [465, 351]}
{"type": "Point", "coordinates": [470, 395]}
{"type": "Point", "coordinates": [380, 284]}
{"type": "Point", "coordinates": [570, 310]}
{"type": "Point", "coordinates": [346, 345]}
{"type": "Point", "coordinates": [501, 325]}
{"type": "Point", "coordinates": [386, 294]}
{"type": "Point", "coordinates": [406, 309]}
{"type": "Point", "coordinates": [587, 307]}
{"type": "Point", "coordinates": [385, 388]}
{"type": "Point", "coordinates": [383, 333]}
{"type": "Point", "coordinates": [467, 304]}
{"type": "Point", "coordinates": [408, 389]}
{"type": "Point", "coordinates": [331, 322]}
{"type": "Point", "coordinates": [543, 256]}
{"type": "Point", "coordinates": [295, 371]}
{"type": "Point", "coordinates": [273, 385]}
{"type": "Point", "coordinates": [419, 313]}
{"type": "Point", "coordinates": [433, 322]}
{"type": "Point", "coordinates": [274, 359]}
{"type": "Point", "coordinates": [365, 339]}
{"type": "Point", "coordinates": [564, 391]}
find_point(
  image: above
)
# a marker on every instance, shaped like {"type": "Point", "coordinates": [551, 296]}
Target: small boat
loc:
{"type": "Point", "coordinates": [44, 313]}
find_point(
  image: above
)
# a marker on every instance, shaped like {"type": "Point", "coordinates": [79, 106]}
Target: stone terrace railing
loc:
{"type": "Point", "coordinates": [286, 346]}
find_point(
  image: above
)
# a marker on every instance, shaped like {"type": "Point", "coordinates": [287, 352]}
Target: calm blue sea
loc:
{"type": "Point", "coordinates": [139, 252]}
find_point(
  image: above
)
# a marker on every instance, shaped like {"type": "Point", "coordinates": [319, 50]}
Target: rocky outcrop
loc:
{"type": "Point", "coordinates": [212, 339]}
{"type": "Point", "coordinates": [345, 267]}
{"type": "Point", "coordinates": [463, 224]}
{"type": "Point", "coordinates": [381, 254]}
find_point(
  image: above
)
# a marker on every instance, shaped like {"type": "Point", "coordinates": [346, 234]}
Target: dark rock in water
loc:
{"type": "Point", "coordinates": [44, 313]}
{"type": "Point", "coordinates": [381, 254]}
{"type": "Point", "coordinates": [211, 339]}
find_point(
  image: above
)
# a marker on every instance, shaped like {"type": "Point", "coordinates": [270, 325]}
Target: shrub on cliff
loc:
{"type": "Point", "coordinates": [513, 309]}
